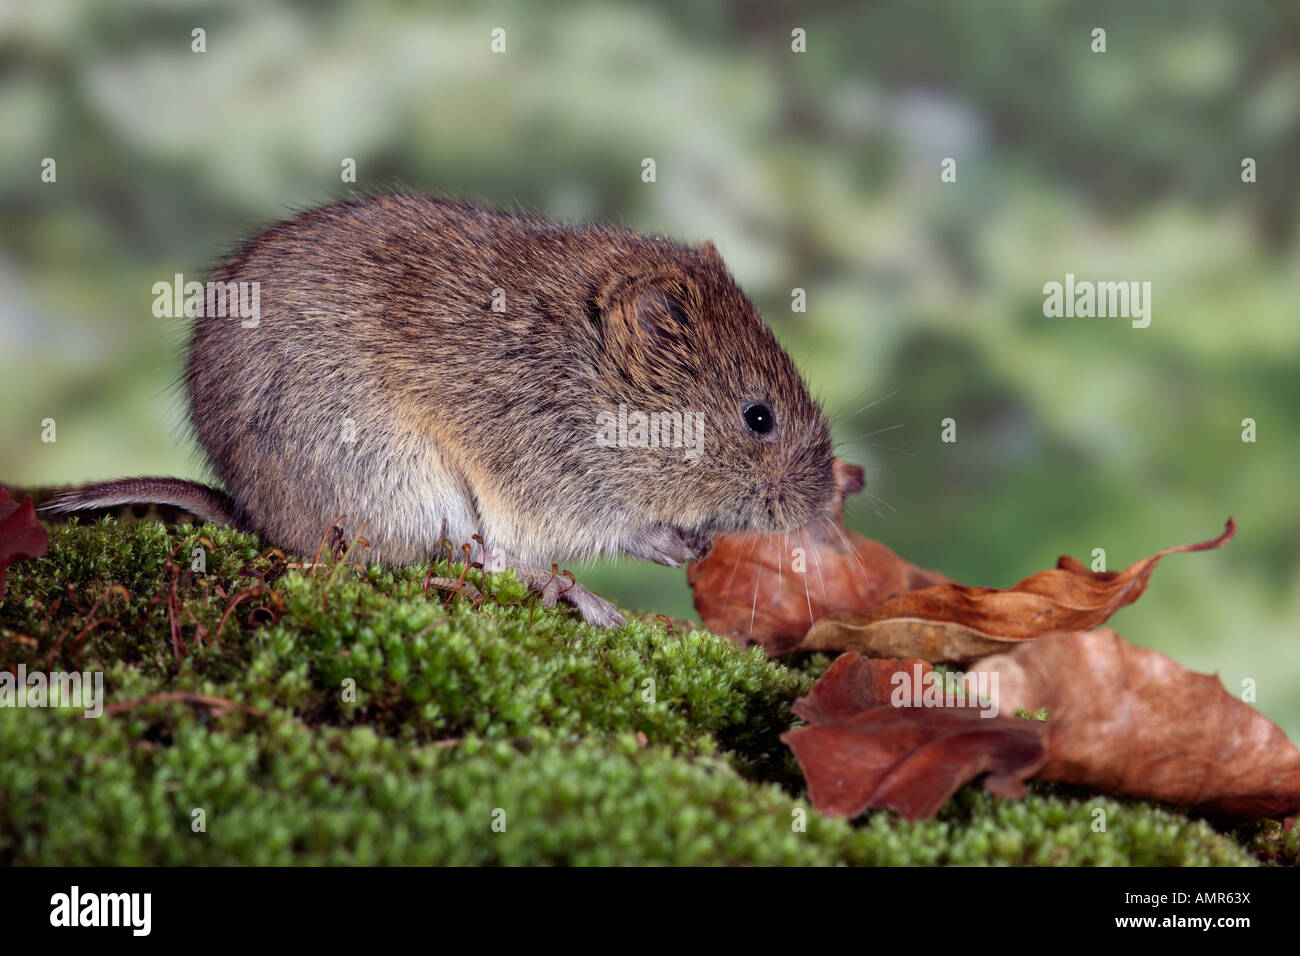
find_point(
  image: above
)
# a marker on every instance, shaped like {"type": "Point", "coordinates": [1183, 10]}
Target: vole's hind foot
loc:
{"type": "Point", "coordinates": [595, 610]}
{"type": "Point", "coordinates": [553, 587]}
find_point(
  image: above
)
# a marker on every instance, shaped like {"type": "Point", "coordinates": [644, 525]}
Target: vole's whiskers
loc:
{"type": "Point", "coordinates": [780, 561]}
{"type": "Point", "coordinates": [803, 544]}
{"type": "Point", "coordinates": [857, 558]}
{"type": "Point", "coordinates": [857, 439]}
{"type": "Point", "coordinates": [873, 444]}
{"type": "Point", "coordinates": [875, 497]}
{"type": "Point", "coordinates": [817, 555]}
{"type": "Point", "coordinates": [740, 556]}
{"type": "Point", "coordinates": [841, 416]}
{"type": "Point", "coordinates": [870, 500]}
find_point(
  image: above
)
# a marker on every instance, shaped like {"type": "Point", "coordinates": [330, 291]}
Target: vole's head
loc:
{"type": "Point", "coordinates": [679, 337]}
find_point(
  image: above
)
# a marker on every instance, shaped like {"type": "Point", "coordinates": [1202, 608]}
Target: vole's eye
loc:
{"type": "Point", "coordinates": [758, 417]}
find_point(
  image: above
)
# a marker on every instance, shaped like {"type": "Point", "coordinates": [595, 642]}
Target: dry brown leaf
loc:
{"type": "Point", "coordinates": [1126, 719]}
{"type": "Point", "coordinates": [825, 588]}
{"type": "Point", "coordinates": [860, 751]}
{"type": "Point", "coordinates": [852, 684]}
{"type": "Point", "coordinates": [935, 641]}
{"type": "Point", "coordinates": [954, 622]}
{"type": "Point", "coordinates": [746, 587]}
{"type": "Point", "coordinates": [1120, 719]}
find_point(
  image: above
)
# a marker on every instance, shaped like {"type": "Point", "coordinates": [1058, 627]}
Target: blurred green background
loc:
{"type": "Point", "coordinates": [817, 170]}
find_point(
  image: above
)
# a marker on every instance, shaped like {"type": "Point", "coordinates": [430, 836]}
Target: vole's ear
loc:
{"type": "Point", "coordinates": [710, 250]}
{"type": "Point", "coordinates": [648, 311]}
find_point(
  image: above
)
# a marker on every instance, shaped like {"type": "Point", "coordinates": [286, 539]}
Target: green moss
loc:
{"type": "Point", "coordinates": [1268, 841]}
{"type": "Point", "coordinates": [373, 723]}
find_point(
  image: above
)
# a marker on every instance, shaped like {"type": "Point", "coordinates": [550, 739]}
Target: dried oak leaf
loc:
{"type": "Point", "coordinates": [954, 622]}
{"type": "Point", "coordinates": [861, 751]}
{"type": "Point", "coordinates": [21, 535]}
{"type": "Point", "coordinates": [747, 589]}
{"type": "Point", "coordinates": [1126, 719]}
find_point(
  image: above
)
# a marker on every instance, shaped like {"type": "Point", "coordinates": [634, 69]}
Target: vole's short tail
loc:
{"type": "Point", "coordinates": [210, 504]}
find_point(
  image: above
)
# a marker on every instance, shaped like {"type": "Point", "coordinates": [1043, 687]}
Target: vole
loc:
{"type": "Point", "coordinates": [431, 370]}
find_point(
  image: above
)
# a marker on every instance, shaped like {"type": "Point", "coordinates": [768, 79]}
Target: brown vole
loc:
{"type": "Point", "coordinates": [435, 370]}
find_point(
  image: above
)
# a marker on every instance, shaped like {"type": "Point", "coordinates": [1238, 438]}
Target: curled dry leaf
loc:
{"type": "Point", "coordinates": [855, 594]}
{"type": "Point", "coordinates": [954, 622]}
{"type": "Point", "coordinates": [757, 588]}
{"type": "Point", "coordinates": [1126, 719]}
{"type": "Point", "coordinates": [861, 751]}
{"type": "Point", "coordinates": [21, 535]}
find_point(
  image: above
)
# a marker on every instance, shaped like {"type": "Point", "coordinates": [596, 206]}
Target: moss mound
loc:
{"type": "Point", "coordinates": [260, 714]}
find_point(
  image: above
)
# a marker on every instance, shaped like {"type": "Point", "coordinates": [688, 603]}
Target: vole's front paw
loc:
{"type": "Point", "coordinates": [664, 545]}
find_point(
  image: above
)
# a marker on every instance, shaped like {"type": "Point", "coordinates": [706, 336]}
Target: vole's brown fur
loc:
{"type": "Point", "coordinates": [377, 320]}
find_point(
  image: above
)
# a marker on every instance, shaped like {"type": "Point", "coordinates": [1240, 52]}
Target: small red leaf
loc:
{"type": "Point", "coordinates": [862, 751]}
{"type": "Point", "coordinates": [21, 535]}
